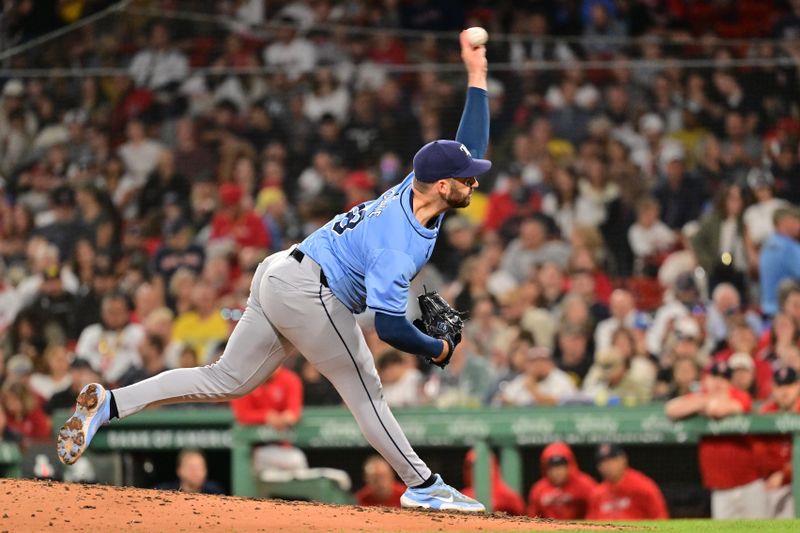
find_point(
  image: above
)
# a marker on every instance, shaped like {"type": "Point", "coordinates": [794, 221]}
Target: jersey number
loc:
{"type": "Point", "coordinates": [350, 219]}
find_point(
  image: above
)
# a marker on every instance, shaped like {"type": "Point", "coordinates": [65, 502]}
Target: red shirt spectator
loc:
{"type": "Point", "coordinates": [762, 368]}
{"type": "Point", "coordinates": [277, 402]}
{"type": "Point", "coordinates": [774, 452]}
{"type": "Point", "coordinates": [24, 412]}
{"type": "Point", "coordinates": [504, 499]}
{"type": "Point", "coordinates": [234, 222]}
{"type": "Point", "coordinates": [381, 487]}
{"type": "Point", "coordinates": [625, 493]}
{"type": "Point", "coordinates": [563, 492]}
{"type": "Point", "coordinates": [726, 461]}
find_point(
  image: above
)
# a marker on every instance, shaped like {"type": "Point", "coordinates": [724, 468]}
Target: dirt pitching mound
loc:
{"type": "Point", "coordinates": [27, 505]}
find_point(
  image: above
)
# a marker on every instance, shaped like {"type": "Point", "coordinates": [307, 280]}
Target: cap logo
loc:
{"type": "Point", "coordinates": [464, 149]}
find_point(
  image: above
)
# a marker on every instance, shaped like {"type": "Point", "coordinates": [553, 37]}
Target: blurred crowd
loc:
{"type": "Point", "coordinates": [639, 224]}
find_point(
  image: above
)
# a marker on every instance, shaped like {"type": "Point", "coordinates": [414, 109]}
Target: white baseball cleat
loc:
{"type": "Point", "coordinates": [92, 410]}
{"type": "Point", "coordinates": [440, 496]}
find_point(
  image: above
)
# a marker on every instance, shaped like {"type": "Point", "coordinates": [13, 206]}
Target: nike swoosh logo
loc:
{"type": "Point", "coordinates": [449, 499]}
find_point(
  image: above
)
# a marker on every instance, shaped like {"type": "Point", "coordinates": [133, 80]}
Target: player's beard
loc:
{"type": "Point", "coordinates": [456, 199]}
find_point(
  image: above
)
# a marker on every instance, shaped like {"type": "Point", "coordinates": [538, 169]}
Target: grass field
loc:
{"type": "Point", "coordinates": [723, 526]}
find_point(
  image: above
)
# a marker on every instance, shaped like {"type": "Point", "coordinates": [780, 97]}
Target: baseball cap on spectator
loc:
{"type": "Point", "coordinates": [741, 361]}
{"type": "Point", "coordinates": [686, 328]}
{"type": "Point", "coordinates": [759, 177]}
{"type": "Point", "coordinates": [651, 123]}
{"type": "Point", "coordinates": [171, 198]}
{"type": "Point", "coordinates": [672, 152]}
{"type": "Point", "coordinates": [556, 460]}
{"type": "Point", "coordinates": [63, 196]}
{"type": "Point", "coordinates": [720, 369]}
{"type": "Point", "coordinates": [447, 159]}
{"type": "Point", "coordinates": [13, 88]}
{"type": "Point", "coordinates": [608, 450]}
{"type": "Point", "coordinates": [784, 376]}
{"type": "Point", "coordinates": [173, 227]}
{"type": "Point", "coordinates": [19, 365]}
{"type": "Point", "coordinates": [538, 352]}
{"type": "Point", "coordinates": [685, 282]}
{"type": "Point", "coordinates": [230, 194]}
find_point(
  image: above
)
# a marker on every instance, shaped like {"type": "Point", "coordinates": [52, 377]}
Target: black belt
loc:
{"type": "Point", "coordinates": [298, 256]}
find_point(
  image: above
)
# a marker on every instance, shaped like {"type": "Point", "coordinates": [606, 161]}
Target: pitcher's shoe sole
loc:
{"type": "Point", "coordinates": [78, 430]}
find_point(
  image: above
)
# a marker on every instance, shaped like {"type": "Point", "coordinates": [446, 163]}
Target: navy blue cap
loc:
{"type": "Point", "coordinates": [607, 450]}
{"type": "Point", "coordinates": [785, 376]}
{"type": "Point", "coordinates": [442, 159]}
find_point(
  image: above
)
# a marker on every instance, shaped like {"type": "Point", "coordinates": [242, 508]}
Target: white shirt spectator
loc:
{"type": "Point", "coordinates": [604, 332]}
{"type": "Point", "coordinates": [758, 219]}
{"type": "Point", "coordinates": [648, 241]}
{"type": "Point", "coordinates": [140, 159]}
{"type": "Point", "coordinates": [405, 391]}
{"type": "Point", "coordinates": [336, 103]}
{"type": "Point", "coordinates": [155, 69]}
{"type": "Point", "coordinates": [297, 56]}
{"type": "Point", "coordinates": [45, 386]}
{"type": "Point", "coordinates": [110, 352]}
{"type": "Point", "coordinates": [557, 384]}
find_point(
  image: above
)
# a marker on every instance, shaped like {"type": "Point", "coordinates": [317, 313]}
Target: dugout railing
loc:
{"type": "Point", "coordinates": [505, 430]}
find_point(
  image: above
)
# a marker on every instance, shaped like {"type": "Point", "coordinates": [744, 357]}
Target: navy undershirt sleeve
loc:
{"type": "Point", "coordinates": [473, 130]}
{"type": "Point", "coordinates": [398, 332]}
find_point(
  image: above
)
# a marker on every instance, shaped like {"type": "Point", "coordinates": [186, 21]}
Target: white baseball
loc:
{"type": "Point", "coordinates": [477, 36]}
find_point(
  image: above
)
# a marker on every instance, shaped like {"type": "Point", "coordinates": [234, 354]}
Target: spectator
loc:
{"type": "Point", "coordinates": [202, 327]}
{"type": "Point", "coordinates": [743, 375]}
{"type": "Point", "coordinates": [610, 381]}
{"type": "Point", "coordinates": [317, 390]}
{"type": "Point", "coordinates": [574, 355]}
{"type": "Point", "coordinates": [721, 243]}
{"type": "Point", "coordinates": [160, 66]}
{"type": "Point", "coordinates": [381, 487]}
{"type": "Point", "coordinates": [112, 344]}
{"type": "Point", "coordinates": [402, 382]}
{"type": "Point", "coordinates": [178, 252]}
{"type": "Point", "coordinates": [623, 314]}
{"type": "Point", "coordinates": [779, 259]}
{"type": "Point", "coordinates": [682, 378]}
{"type": "Point", "coordinates": [540, 383]}
{"type": "Point", "coordinates": [504, 499]}
{"type": "Point", "coordinates": [291, 53]}
{"type": "Point", "coordinates": [686, 302]}
{"type": "Point", "coordinates": [649, 238]}
{"type": "Point", "coordinates": [680, 196]}
{"type": "Point", "coordinates": [624, 493]}
{"type": "Point", "coordinates": [742, 338]}
{"type": "Point", "coordinates": [192, 474]}
{"type": "Point", "coordinates": [140, 155]}
{"type": "Point", "coordinates": [728, 467]}
{"type": "Point", "coordinates": [56, 378]}
{"type": "Point", "coordinates": [66, 227]}
{"type": "Point", "coordinates": [6, 433]}
{"type": "Point", "coordinates": [151, 354]}
{"type": "Point", "coordinates": [725, 303]}
{"type": "Point", "coordinates": [277, 403]}
{"type": "Point", "coordinates": [563, 491]}
{"type": "Point", "coordinates": [236, 223]}
{"type": "Point", "coordinates": [81, 374]}
{"type": "Point", "coordinates": [758, 218]}
{"type": "Point", "coordinates": [531, 249]}
{"type": "Point", "coordinates": [24, 413]}
{"type": "Point", "coordinates": [465, 382]}
{"type": "Point", "coordinates": [774, 452]}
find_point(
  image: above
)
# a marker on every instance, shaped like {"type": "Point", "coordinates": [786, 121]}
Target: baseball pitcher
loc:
{"type": "Point", "coordinates": [307, 296]}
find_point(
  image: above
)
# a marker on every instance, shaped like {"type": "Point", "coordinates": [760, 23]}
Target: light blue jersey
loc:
{"type": "Point", "coordinates": [371, 253]}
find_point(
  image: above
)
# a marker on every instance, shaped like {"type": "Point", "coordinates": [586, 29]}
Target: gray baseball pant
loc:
{"type": "Point", "coordinates": [288, 306]}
